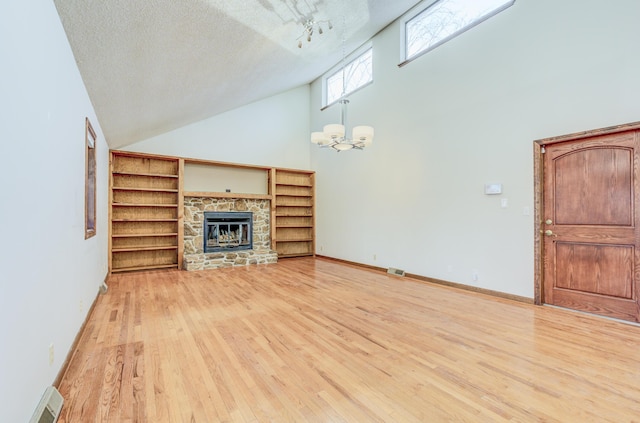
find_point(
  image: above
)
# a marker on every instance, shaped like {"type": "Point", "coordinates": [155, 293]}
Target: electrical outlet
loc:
{"type": "Point", "coordinates": [81, 306]}
{"type": "Point", "coordinates": [375, 257]}
{"type": "Point", "coordinates": [51, 354]}
{"type": "Point", "coordinates": [474, 275]}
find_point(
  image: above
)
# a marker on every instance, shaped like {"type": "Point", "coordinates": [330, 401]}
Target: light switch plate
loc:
{"type": "Point", "coordinates": [492, 189]}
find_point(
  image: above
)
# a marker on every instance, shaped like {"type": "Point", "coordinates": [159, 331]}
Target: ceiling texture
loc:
{"type": "Point", "coordinates": [151, 66]}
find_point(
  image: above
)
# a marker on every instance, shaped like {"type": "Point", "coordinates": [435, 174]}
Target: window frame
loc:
{"type": "Point", "coordinates": [90, 139]}
{"type": "Point", "coordinates": [354, 56]}
{"type": "Point", "coordinates": [423, 8]}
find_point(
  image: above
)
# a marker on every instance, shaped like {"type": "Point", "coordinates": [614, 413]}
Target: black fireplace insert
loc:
{"type": "Point", "coordinates": [228, 231]}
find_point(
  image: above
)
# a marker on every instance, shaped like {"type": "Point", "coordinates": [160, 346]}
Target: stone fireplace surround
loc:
{"type": "Point", "coordinates": [194, 256]}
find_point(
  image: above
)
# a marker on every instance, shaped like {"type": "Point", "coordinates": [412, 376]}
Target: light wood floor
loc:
{"type": "Point", "coordinates": [320, 341]}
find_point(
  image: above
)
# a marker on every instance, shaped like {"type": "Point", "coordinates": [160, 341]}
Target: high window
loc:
{"type": "Point", "coordinates": [443, 20]}
{"type": "Point", "coordinates": [355, 74]}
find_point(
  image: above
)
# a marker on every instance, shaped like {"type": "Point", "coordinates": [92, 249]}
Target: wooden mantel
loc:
{"type": "Point", "coordinates": [228, 195]}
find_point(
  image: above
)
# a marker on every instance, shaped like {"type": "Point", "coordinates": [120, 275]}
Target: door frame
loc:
{"type": "Point", "coordinates": [538, 201]}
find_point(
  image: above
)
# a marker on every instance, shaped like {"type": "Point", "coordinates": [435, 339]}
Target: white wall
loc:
{"type": "Point", "coordinates": [463, 115]}
{"type": "Point", "coordinates": [269, 132]}
{"type": "Point", "coordinates": [49, 274]}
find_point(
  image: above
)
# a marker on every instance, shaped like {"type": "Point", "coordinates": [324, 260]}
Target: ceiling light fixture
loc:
{"type": "Point", "coordinates": [334, 135]}
{"type": "Point", "coordinates": [310, 26]}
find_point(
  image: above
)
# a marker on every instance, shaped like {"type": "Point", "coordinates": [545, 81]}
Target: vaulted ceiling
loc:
{"type": "Point", "coordinates": [151, 66]}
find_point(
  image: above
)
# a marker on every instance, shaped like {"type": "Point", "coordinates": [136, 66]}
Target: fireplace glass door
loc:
{"type": "Point", "coordinates": [225, 231]}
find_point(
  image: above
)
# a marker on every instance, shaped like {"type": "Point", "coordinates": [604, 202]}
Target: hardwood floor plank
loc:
{"type": "Point", "coordinates": [316, 340]}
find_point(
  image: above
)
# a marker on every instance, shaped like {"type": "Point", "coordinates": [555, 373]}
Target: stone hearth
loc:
{"type": "Point", "coordinates": [194, 256]}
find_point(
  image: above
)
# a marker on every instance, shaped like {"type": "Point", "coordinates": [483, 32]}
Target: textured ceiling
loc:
{"type": "Point", "coordinates": [151, 66]}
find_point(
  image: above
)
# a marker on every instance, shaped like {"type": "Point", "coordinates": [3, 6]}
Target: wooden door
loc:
{"type": "Point", "coordinates": [590, 224]}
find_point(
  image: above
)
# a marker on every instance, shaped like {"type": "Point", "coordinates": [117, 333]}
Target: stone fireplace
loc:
{"type": "Point", "coordinates": [226, 232]}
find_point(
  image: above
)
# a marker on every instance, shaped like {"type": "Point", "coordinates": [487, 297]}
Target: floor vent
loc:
{"type": "Point", "coordinates": [397, 272]}
{"type": "Point", "coordinates": [49, 407]}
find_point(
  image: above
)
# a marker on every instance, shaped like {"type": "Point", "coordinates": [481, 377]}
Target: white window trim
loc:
{"type": "Point", "coordinates": [348, 59]}
{"type": "Point", "coordinates": [421, 7]}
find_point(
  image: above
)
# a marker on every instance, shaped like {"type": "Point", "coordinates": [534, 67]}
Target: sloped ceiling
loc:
{"type": "Point", "coordinates": [151, 66]}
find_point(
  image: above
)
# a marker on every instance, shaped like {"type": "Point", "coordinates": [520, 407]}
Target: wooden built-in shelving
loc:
{"type": "Point", "coordinates": [142, 235]}
{"type": "Point", "coordinates": [147, 205]}
{"type": "Point", "coordinates": [152, 175]}
{"type": "Point", "coordinates": [293, 212]}
{"type": "Point", "coordinates": [123, 250]}
{"type": "Point", "coordinates": [144, 220]}
{"type": "Point", "coordinates": [145, 213]}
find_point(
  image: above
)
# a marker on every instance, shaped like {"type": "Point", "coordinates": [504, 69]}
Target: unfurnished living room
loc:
{"type": "Point", "coordinates": [320, 211]}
